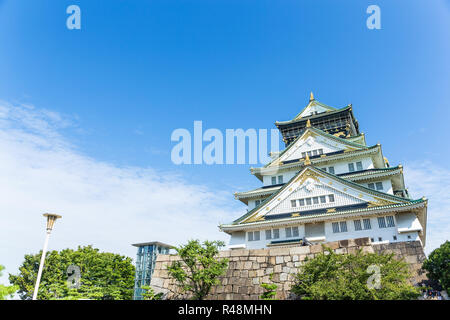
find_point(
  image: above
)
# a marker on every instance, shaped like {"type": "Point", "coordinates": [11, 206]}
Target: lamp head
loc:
{"type": "Point", "coordinates": [51, 218]}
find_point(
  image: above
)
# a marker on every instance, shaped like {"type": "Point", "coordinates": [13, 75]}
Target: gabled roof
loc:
{"type": "Point", "coordinates": [312, 131]}
{"type": "Point", "coordinates": [363, 175]}
{"type": "Point", "coordinates": [299, 119]}
{"type": "Point", "coordinates": [375, 198]}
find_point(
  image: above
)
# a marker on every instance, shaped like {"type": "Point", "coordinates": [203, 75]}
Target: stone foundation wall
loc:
{"type": "Point", "coordinates": [247, 269]}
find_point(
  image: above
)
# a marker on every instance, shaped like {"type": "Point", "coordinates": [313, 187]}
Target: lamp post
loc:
{"type": "Point", "coordinates": [51, 218]}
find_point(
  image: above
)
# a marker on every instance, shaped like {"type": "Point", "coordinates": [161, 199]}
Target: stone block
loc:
{"type": "Point", "coordinates": [277, 268]}
{"type": "Point", "coordinates": [301, 250]}
{"type": "Point", "coordinates": [261, 259]}
{"type": "Point", "coordinates": [283, 276]}
{"type": "Point", "coordinates": [295, 258]}
{"type": "Point", "coordinates": [287, 258]}
{"type": "Point", "coordinates": [316, 248]}
{"type": "Point", "coordinates": [343, 243]}
{"type": "Point", "coordinates": [332, 245]}
{"type": "Point", "coordinates": [240, 253]}
{"type": "Point", "coordinates": [269, 271]}
{"type": "Point", "coordinates": [248, 265]}
{"type": "Point", "coordinates": [279, 259]}
{"type": "Point", "coordinates": [224, 254]}
{"type": "Point", "coordinates": [367, 249]}
{"type": "Point", "coordinates": [362, 241]}
{"type": "Point", "coordinates": [278, 252]}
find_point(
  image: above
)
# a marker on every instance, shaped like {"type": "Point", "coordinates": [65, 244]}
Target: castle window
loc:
{"type": "Point", "coordinates": [274, 180]}
{"type": "Point", "coordinates": [357, 224]}
{"type": "Point", "coordinates": [257, 203]}
{"type": "Point", "coordinates": [303, 154]}
{"type": "Point", "coordinates": [320, 151]}
{"type": "Point", "coordinates": [302, 202]}
{"type": "Point", "coordinates": [390, 221]}
{"type": "Point", "coordinates": [343, 225]}
{"type": "Point", "coordinates": [308, 201]}
{"type": "Point", "coordinates": [379, 185]}
{"type": "Point", "coordinates": [316, 200]}
{"type": "Point", "coordinates": [367, 225]}
{"type": "Point", "coordinates": [335, 226]}
{"type": "Point", "coordinates": [351, 167]}
{"type": "Point", "coordinates": [276, 233]}
{"type": "Point", "coordinates": [371, 186]}
{"type": "Point", "coordinates": [323, 199]}
{"type": "Point", "coordinates": [288, 232]}
{"type": "Point", "coordinates": [381, 222]}
{"type": "Point", "coordinates": [268, 234]}
{"type": "Point", "coordinates": [331, 170]}
{"type": "Point", "coordinates": [359, 166]}
{"type": "Point", "coordinates": [253, 236]}
{"type": "Point", "coordinates": [331, 198]}
{"type": "Point", "coordinates": [314, 152]}
{"type": "Point", "coordinates": [394, 237]}
{"type": "Point", "coordinates": [380, 239]}
{"type": "Point", "coordinates": [324, 169]}
{"type": "Point", "coordinates": [293, 203]}
{"type": "Point", "coordinates": [280, 179]}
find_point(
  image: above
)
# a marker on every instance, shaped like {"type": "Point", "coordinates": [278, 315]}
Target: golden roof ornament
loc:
{"type": "Point", "coordinates": [307, 162]}
{"type": "Point", "coordinates": [311, 96]}
{"type": "Point", "coordinates": [308, 123]}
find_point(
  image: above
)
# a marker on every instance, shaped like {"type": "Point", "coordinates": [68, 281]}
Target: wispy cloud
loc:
{"type": "Point", "coordinates": [432, 181]}
{"type": "Point", "coordinates": [102, 204]}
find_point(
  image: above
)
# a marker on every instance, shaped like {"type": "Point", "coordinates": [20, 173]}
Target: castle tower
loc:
{"type": "Point", "coordinates": [327, 185]}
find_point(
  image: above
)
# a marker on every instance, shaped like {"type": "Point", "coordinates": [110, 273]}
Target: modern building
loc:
{"type": "Point", "coordinates": [326, 185]}
{"type": "Point", "coordinates": [145, 264]}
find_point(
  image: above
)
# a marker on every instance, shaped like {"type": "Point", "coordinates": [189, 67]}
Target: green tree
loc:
{"type": "Point", "coordinates": [149, 293]}
{"type": "Point", "coordinates": [199, 268]}
{"type": "Point", "coordinates": [332, 276]}
{"type": "Point", "coordinates": [438, 265]}
{"type": "Point", "coordinates": [270, 290]}
{"type": "Point", "coordinates": [103, 275]}
{"type": "Point", "coordinates": [6, 291]}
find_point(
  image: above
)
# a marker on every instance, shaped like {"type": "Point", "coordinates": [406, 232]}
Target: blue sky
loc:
{"type": "Point", "coordinates": [114, 91]}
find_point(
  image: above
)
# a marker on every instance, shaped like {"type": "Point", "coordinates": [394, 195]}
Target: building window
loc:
{"type": "Point", "coordinates": [331, 170]}
{"type": "Point", "coordinates": [379, 185]}
{"type": "Point", "coordinates": [320, 151]}
{"type": "Point", "coordinates": [343, 225]}
{"type": "Point", "coordinates": [366, 223]}
{"type": "Point", "coordinates": [351, 167]}
{"type": "Point", "coordinates": [314, 152]}
{"type": "Point", "coordinates": [394, 237]}
{"type": "Point", "coordinates": [293, 203]}
{"type": "Point", "coordinates": [253, 236]}
{"type": "Point", "coordinates": [295, 231]}
{"type": "Point", "coordinates": [380, 239]}
{"type": "Point", "coordinates": [381, 222]}
{"type": "Point", "coordinates": [359, 166]}
{"type": "Point", "coordinates": [371, 186]}
{"type": "Point", "coordinates": [303, 154]}
{"type": "Point", "coordinates": [324, 169]}
{"type": "Point", "coordinates": [409, 237]}
{"type": "Point", "coordinates": [339, 226]}
{"type": "Point", "coordinates": [323, 199]}
{"type": "Point", "coordinates": [268, 234]}
{"type": "Point", "coordinates": [335, 226]}
{"type": "Point", "coordinates": [276, 233]}
{"type": "Point", "coordinates": [372, 239]}
{"type": "Point", "coordinates": [357, 224]}
{"type": "Point", "coordinates": [280, 179]}
{"type": "Point", "coordinates": [302, 202]}
{"type": "Point", "coordinates": [288, 232]}
{"type": "Point", "coordinates": [316, 200]}
{"type": "Point", "coordinates": [331, 198]}
{"type": "Point", "coordinates": [390, 221]}
{"type": "Point", "coordinates": [274, 180]}
{"type": "Point", "coordinates": [308, 201]}
{"type": "Point", "coordinates": [257, 202]}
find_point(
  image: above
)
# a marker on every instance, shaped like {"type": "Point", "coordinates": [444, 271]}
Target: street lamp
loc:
{"type": "Point", "coordinates": [51, 218]}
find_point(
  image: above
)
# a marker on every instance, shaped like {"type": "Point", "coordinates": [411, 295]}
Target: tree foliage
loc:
{"type": "Point", "coordinates": [270, 290]}
{"type": "Point", "coordinates": [150, 294]}
{"type": "Point", "coordinates": [332, 276]}
{"type": "Point", "coordinates": [103, 275]}
{"type": "Point", "coordinates": [199, 268]}
{"type": "Point", "coordinates": [6, 291]}
{"type": "Point", "coordinates": [438, 265]}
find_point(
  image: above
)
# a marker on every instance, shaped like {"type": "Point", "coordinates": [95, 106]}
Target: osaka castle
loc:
{"type": "Point", "coordinates": [326, 185]}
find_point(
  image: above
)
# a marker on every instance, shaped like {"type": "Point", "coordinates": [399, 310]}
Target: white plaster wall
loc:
{"type": "Point", "coordinates": [385, 233]}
